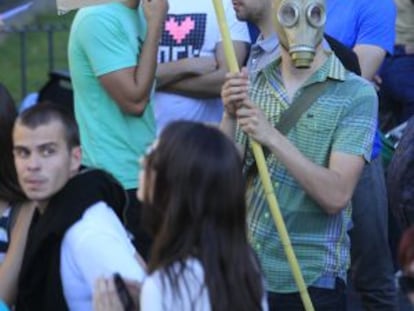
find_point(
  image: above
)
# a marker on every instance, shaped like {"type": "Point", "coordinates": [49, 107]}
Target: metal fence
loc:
{"type": "Point", "coordinates": [49, 30]}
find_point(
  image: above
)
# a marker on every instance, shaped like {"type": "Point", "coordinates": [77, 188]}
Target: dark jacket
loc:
{"type": "Point", "coordinates": [40, 286]}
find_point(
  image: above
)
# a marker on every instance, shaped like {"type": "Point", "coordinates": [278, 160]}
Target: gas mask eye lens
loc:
{"type": "Point", "coordinates": [316, 15]}
{"type": "Point", "coordinates": [288, 15]}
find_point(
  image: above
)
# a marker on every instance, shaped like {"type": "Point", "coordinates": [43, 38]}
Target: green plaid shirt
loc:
{"type": "Point", "coordinates": [343, 120]}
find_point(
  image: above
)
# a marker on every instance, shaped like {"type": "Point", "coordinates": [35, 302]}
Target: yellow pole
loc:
{"type": "Point", "coordinates": [263, 172]}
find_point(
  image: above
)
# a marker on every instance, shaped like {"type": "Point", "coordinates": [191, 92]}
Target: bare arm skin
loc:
{"type": "Point", "coordinates": [174, 71]}
{"type": "Point", "coordinates": [331, 186]}
{"type": "Point", "coordinates": [131, 87]}
{"type": "Point", "coordinates": [233, 93]}
{"type": "Point", "coordinates": [10, 268]}
{"type": "Point", "coordinates": [370, 58]}
{"type": "Point", "coordinates": [209, 85]}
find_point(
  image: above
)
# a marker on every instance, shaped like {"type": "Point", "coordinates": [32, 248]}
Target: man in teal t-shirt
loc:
{"type": "Point", "coordinates": [112, 60]}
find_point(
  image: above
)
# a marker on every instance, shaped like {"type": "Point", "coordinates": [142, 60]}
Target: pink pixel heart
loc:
{"type": "Point", "coordinates": [179, 31]}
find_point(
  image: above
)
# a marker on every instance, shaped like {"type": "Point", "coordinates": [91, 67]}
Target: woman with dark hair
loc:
{"type": "Point", "coordinates": [194, 207]}
{"type": "Point", "coordinates": [9, 187]}
{"type": "Point", "coordinates": [14, 220]}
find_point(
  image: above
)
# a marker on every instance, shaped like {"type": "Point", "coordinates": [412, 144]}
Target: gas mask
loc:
{"type": "Point", "coordinates": [300, 26]}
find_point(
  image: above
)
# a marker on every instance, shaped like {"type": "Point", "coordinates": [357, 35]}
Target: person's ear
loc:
{"type": "Point", "coordinates": [76, 158]}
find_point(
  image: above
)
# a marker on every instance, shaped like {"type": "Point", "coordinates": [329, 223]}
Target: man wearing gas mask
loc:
{"type": "Point", "coordinates": [314, 164]}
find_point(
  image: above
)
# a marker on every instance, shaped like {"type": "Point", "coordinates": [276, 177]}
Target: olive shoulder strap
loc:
{"type": "Point", "coordinates": [301, 104]}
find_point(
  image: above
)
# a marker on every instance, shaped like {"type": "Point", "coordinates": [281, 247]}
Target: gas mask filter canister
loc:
{"type": "Point", "coordinates": [300, 26]}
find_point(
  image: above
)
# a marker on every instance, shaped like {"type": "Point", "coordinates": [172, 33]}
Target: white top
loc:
{"type": "Point", "coordinates": [157, 295]}
{"type": "Point", "coordinates": [191, 30]}
{"type": "Point", "coordinates": [95, 246]}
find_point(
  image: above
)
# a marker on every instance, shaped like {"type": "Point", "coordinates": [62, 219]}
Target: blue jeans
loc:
{"type": "Point", "coordinates": [397, 88]}
{"type": "Point", "coordinates": [322, 299]}
{"type": "Point", "coordinates": [371, 264]}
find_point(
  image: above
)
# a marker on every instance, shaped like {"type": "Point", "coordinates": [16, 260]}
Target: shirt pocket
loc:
{"type": "Point", "coordinates": [319, 119]}
{"type": "Point", "coordinates": [314, 132]}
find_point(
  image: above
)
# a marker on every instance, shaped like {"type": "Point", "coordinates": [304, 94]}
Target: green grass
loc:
{"type": "Point", "coordinates": [36, 54]}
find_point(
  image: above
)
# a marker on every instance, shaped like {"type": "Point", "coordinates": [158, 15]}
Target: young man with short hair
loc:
{"type": "Point", "coordinates": [76, 234]}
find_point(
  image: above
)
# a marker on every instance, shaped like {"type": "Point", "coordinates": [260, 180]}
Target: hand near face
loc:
{"type": "Point", "coordinates": [155, 11]}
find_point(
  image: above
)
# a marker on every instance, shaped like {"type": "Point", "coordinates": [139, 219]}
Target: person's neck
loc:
{"type": "Point", "coordinates": [289, 71]}
{"type": "Point", "coordinates": [132, 4]}
{"type": "Point", "coordinates": [265, 25]}
{"type": "Point", "coordinates": [41, 206]}
{"type": "Point", "coordinates": [294, 78]}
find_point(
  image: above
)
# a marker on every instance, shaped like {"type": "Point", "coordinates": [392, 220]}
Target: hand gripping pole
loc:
{"type": "Point", "coordinates": [262, 169]}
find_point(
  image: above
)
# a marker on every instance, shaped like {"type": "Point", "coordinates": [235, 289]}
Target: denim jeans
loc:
{"type": "Point", "coordinates": [372, 271]}
{"type": "Point", "coordinates": [397, 87]}
{"type": "Point", "coordinates": [322, 299]}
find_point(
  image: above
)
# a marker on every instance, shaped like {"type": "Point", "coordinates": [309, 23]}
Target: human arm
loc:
{"type": "Point", "coordinates": [131, 87]}
{"type": "Point", "coordinates": [370, 58]}
{"type": "Point", "coordinates": [368, 23]}
{"type": "Point", "coordinates": [375, 35]}
{"type": "Point", "coordinates": [209, 85]}
{"type": "Point", "coordinates": [233, 94]}
{"type": "Point", "coordinates": [10, 268]}
{"type": "Point", "coordinates": [174, 71]}
{"type": "Point", "coordinates": [331, 186]}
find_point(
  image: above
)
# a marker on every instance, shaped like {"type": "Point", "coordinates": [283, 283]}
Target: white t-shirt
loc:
{"type": "Point", "coordinates": [95, 246]}
{"type": "Point", "coordinates": [158, 296]}
{"type": "Point", "coordinates": [191, 30]}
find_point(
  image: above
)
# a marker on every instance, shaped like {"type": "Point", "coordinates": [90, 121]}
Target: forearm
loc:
{"type": "Point", "coordinates": [10, 268]}
{"type": "Point", "coordinates": [326, 186]}
{"type": "Point", "coordinates": [203, 86]}
{"type": "Point", "coordinates": [172, 72]}
{"type": "Point", "coordinates": [145, 73]}
{"type": "Point", "coordinates": [209, 84]}
{"type": "Point", "coordinates": [228, 127]}
{"type": "Point", "coordinates": [131, 87]}
{"type": "Point", "coordinates": [370, 59]}
{"type": "Point", "coordinates": [9, 273]}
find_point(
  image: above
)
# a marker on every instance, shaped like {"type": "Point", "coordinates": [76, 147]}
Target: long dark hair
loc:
{"type": "Point", "coordinates": [406, 248]}
{"type": "Point", "coordinates": [9, 187]}
{"type": "Point", "coordinates": [198, 210]}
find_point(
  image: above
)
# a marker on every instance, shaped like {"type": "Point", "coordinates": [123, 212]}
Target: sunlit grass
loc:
{"type": "Point", "coordinates": [37, 58]}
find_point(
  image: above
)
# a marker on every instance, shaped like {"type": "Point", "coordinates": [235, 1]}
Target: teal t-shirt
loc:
{"type": "Point", "coordinates": [3, 306]}
{"type": "Point", "coordinates": [105, 38]}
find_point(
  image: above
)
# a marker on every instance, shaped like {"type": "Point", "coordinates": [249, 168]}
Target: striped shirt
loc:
{"type": "Point", "coordinates": [342, 120]}
{"type": "Point", "coordinates": [4, 233]}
